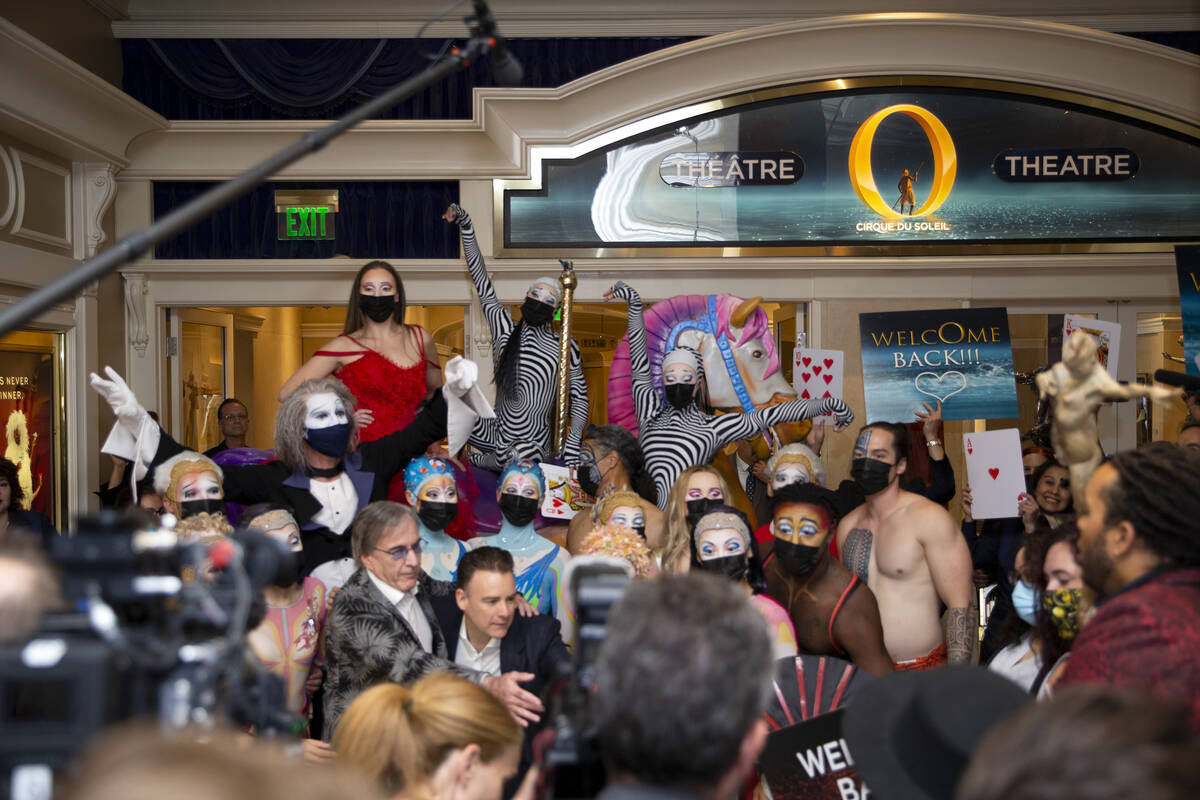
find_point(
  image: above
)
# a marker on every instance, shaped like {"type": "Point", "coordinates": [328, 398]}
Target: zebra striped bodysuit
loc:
{"type": "Point", "coordinates": [674, 439]}
{"type": "Point", "coordinates": [521, 428]}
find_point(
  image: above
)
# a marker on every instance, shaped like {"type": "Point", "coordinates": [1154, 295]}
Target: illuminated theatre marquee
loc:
{"type": "Point", "coordinates": [870, 166]}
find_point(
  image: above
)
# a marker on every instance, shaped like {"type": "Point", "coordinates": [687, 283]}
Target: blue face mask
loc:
{"type": "Point", "coordinates": [1024, 601]}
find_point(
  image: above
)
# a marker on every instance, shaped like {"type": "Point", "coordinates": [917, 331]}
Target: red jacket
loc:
{"type": "Point", "coordinates": [1146, 636]}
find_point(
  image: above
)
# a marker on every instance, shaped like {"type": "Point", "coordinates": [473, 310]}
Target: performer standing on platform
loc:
{"type": "Point", "coordinates": [390, 368]}
{"type": "Point", "coordinates": [526, 368]}
{"type": "Point", "coordinates": [677, 434]}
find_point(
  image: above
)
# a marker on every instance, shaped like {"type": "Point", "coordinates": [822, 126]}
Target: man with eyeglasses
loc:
{"type": "Point", "coordinates": [382, 626]}
{"type": "Point", "coordinates": [234, 420]}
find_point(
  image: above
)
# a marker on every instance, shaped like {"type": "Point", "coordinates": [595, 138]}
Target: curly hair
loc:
{"type": "Point", "coordinates": [289, 420]}
{"type": "Point", "coordinates": [8, 472]}
{"type": "Point", "coordinates": [678, 545]}
{"type": "Point", "coordinates": [618, 439]}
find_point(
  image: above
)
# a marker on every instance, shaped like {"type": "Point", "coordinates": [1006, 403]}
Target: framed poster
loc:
{"type": "Point", "coordinates": [32, 409]}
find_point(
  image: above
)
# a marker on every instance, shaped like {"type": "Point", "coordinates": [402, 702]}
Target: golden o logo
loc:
{"type": "Point", "coordinates": [945, 161]}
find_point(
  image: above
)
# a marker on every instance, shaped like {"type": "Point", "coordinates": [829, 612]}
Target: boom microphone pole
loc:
{"type": "Point", "coordinates": [483, 39]}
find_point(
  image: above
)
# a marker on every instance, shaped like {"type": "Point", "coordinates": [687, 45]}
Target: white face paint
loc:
{"type": "Point", "coordinates": [199, 486]}
{"type": "Point", "coordinates": [543, 294]}
{"type": "Point", "coordinates": [325, 410]}
{"type": "Point", "coordinates": [628, 517]}
{"type": "Point", "coordinates": [719, 542]}
{"type": "Point", "coordinates": [790, 472]}
{"type": "Point", "coordinates": [521, 484]}
{"type": "Point", "coordinates": [679, 373]}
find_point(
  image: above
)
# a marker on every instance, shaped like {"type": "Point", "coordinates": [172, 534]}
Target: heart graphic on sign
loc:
{"type": "Point", "coordinates": [557, 503]}
{"type": "Point", "coordinates": [805, 394]}
{"type": "Point", "coordinates": [828, 379]}
{"type": "Point", "coordinates": [970, 447]}
{"type": "Point", "coordinates": [939, 391]}
{"type": "Point", "coordinates": [806, 360]}
{"type": "Point", "coordinates": [816, 370]}
{"type": "Point", "coordinates": [994, 472]}
{"type": "Point", "coordinates": [806, 376]}
{"type": "Point", "coordinates": [827, 394]}
{"type": "Point", "coordinates": [828, 363]}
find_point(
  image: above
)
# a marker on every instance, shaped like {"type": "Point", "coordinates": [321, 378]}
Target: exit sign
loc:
{"type": "Point", "coordinates": [305, 222]}
{"type": "Point", "coordinates": [305, 215]}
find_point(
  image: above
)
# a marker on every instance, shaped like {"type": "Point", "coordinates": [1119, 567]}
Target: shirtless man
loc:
{"type": "Point", "coordinates": [910, 554]}
{"type": "Point", "coordinates": [833, 611]}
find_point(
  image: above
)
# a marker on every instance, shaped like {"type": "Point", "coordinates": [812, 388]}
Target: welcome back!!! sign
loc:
{"type": "Point", "coordinates": [961, 357]}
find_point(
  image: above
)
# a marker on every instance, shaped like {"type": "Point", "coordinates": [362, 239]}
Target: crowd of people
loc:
{"type": "Point", "coordinates": [418, 642]}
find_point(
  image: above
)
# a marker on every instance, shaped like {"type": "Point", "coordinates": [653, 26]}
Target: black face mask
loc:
{"type": "Point", "coordinates": [797, 559]}
{"type": "Point", "coordinates": [331, 440]}
{"type": "Point", "coordinates": [732, 567]}
{"type": "Point", "coordinates": [288, 574]}
{"type": "Point", "coordinates": [377, 307]}
{"type": "Point", "coordinates": [589, 479]}
{"type": "Point", "coordinates": [535, 312]}
{"type": "Point", "coordinates": [518, 510]}
{"type": "Point", "coordinates": [640, 530]}
{"type": "Point", "coordinates": [698, 508]}
{"type": "Point", "coordinates": [680, 395]}
{"type": "Point", "coordinates": [436, 516]}
{"type": "Point", "coordinates": [870, 474]}
{"type": "Point", "coordinates": [1029, 483]}
{"type": "Point", "coordinates": [211, 505]}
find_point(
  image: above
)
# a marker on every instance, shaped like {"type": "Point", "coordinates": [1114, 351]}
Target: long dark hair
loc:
{"type": "Point", "coordinates": [619, 440]}
{"type": "Point", "coordinates": [1036, 478]}
{"type": "Point", "coordinates": [1044, 632]}
{"type": "Point", "coordinates": [355, 318]}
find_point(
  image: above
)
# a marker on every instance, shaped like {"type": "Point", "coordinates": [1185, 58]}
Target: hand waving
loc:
{"type": "Point", "coordinates": [621, 291]}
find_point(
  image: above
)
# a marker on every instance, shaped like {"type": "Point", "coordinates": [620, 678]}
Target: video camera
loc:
{"type": "Point", "coordinates": [567, 749]}
{"type": "Point", "coordinates": [157, 629]}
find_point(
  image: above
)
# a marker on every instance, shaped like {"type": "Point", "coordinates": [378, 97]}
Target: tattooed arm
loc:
{"type": "Point", "coordinates": [949, 563]}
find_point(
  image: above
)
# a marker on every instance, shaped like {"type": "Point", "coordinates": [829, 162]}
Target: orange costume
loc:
{"type": "Point", "coordinates": [936, 658]}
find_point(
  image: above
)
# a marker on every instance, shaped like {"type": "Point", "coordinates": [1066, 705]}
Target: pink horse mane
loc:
{"type": "Point", "coordinates": [661, 319]}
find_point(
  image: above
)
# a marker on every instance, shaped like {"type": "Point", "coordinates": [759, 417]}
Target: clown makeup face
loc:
{"type": "Point", "coordinates": [197, 485]}
{"type": "Point", "coordinates": [790, 472]}
{"type": "Point", "coordinates": [543, 293]}
{"type": "Point", "coordinates": [438, 489]}
{"type": "Point", "coordinates": [628, 517]}
{"type": "Point", "coordinates": [703, 485]}
{"type": "Point", "coordinates": [801, 523]}
{"type": "Point", "coordinates": [719, 543]}
{"type": "Point", "coordinates": [521, 485]}
{"type": "Point", "coordinates": [678, 373]}
{"type": "Point", "coordinates": [325, 410]}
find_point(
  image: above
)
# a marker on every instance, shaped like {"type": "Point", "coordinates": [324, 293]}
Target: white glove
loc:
{"type": "Point", "coordinates": [465, 404]}
{"type": "Point", "coordinates": [135, 435]}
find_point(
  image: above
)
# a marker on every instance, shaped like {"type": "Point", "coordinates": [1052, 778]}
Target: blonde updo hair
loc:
{"type": "Point", "coordinates": [614, 500]}
{"type": "Point", "coordinates": [398, 736]}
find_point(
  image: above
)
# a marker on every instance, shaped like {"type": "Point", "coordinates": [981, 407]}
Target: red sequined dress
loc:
{"type": "Point", "coordinates": [393, 394]}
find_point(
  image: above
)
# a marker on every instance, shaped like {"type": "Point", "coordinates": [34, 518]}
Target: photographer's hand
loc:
{"type": "Point", "coordinates": [525, 706]}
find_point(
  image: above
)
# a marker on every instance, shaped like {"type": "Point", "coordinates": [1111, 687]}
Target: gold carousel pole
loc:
{"type": "Point", "coordinates": [568, 282]}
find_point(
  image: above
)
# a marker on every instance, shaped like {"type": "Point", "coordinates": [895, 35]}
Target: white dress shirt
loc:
{"type": "Point", "coordinates": [485, 660]}
{"type": "Point", "coordinates": [339, 502]}
{"type": "Point", "coordinates": [409, 608]}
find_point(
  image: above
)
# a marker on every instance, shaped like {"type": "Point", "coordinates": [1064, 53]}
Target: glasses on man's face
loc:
{"type": "Point", "coordinates": [400, 553]}
{"type": "Point", "coordinates": [232, 417]}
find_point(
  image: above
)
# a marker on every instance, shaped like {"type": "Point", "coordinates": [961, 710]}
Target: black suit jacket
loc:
{"type": "Point", "coordinates": [532, 644]}
{"type": "Point", "coordinates": [370, 468]}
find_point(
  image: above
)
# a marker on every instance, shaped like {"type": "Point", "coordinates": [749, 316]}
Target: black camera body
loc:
{"type": "Point", "coordinates": [151, 634]}
{"type": "Point", "coordinates": [572, 764]}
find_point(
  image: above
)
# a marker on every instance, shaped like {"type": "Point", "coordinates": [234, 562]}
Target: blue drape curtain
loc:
{"type": "Point", "coordinates": [376, 219]}
{"type": "Point", "coordinates": [243, 79]}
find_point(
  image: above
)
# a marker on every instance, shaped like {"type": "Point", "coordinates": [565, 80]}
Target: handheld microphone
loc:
{"type": "Point", "coordinates": [505, 68]}
{"type": "Point", "coordinates": [1170, 377]}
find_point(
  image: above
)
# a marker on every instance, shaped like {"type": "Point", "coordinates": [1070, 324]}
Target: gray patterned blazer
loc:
{"type": "Point", "coordinates": [368, 641]}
